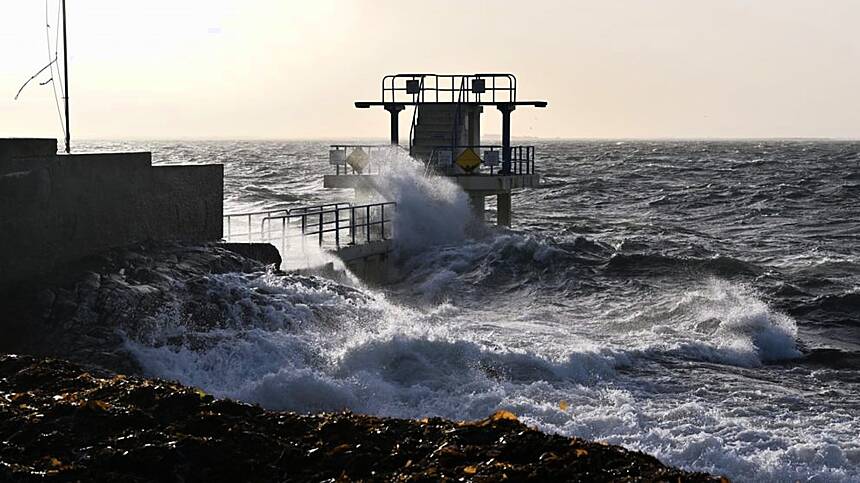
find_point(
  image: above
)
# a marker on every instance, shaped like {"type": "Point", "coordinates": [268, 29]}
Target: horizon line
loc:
{"type": "Point", "coordinates": [539, 138]}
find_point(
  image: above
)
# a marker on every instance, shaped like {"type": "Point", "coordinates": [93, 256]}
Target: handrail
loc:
{"type": "Point", "coordinates": [250, 215]}
{"type": "Point", "coordinates": [505, 92]}
{"type": "Point", "coordinates": [369, 148]}
{"type": "Point", "coordinates": [456, 127]}
{"type": "Point", "coordinates": [358, 221]}
{"type": "Point", "coordinates": [522, 157]}
{"type": "Point", "coordinates": [414, 114]}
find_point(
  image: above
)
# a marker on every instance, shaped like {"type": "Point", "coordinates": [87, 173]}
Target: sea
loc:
{"type": "Point", "coordinates": [695, 300]}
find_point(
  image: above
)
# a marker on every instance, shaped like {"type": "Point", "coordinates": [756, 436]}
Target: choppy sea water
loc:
{"type": "Point", "coordinates": [699, 301]}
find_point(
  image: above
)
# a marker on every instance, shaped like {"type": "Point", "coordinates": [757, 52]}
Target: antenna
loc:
{"type": "Point", "coordinates": [66, 77]}
{"type": "Point", "coordinates": [50, 65]}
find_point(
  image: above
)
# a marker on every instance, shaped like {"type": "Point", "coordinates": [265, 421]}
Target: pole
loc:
{"type": "Point", "coordinates": [506, 137]}
{"type": "Point", "coordinates": [66, 77]}
{"type": "Point", "coordinates": [394, 109]}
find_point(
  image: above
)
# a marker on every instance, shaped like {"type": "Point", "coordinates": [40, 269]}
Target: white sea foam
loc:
{"type": "Point", "coordinates": [431, 211]}
{"type": "Point", "coordinates": [319, 346]}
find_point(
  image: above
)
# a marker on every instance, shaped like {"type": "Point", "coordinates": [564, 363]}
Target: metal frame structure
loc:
{"type": "Point", "coordinates": [347, 169]}
{"type": "Point", "coordinates": [259, 215]}
{"type": "Point", "coordinates": [401, 90]}
{"type": "Point", "coordinates": [435, 84]}
{"type": "Point", "coordinates": [330, 225]}
{"type": "Point", "coordinates": [522, 157]}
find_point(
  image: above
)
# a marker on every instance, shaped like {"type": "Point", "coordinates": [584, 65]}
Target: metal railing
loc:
{"type": "Point", "coordinates": [377, 155]}
{"type": "Point", "coordinates": [414, 117]}
{"type": "Point", "coordinates": [426, 88]}
{"type": "Point", "coordinates": [330, 228]}
{"type": "Point", "coordinates": [245, 222]}
{"type": "Point", "coordinates": [522, 158]}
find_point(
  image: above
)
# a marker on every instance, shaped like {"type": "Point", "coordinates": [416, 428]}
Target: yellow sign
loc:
{"type": "Point", "coordinates": [468, 160]}
{"type": "Point", "coordinates": [358, 159]}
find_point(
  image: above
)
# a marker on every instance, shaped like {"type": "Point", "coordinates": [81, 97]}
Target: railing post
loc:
{"type": "Point", "coordinates": [320, 228]}
{"type": "Point", "coordinates": [382, 222]}
{"type": "Point", "coordinates": [520, 159]}
{"type": "Point", "coordinates": [367, 223]}
{"type": "Point", "coordinates": [352, 224]}
{"type": "Point", "coordinates": [229, 227]}
{"type": "Point", "coordinates": [337, 227]}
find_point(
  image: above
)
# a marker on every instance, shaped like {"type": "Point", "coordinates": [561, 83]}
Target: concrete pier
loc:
{"type": "Point", "coordinates": [503, 209]}
{"type": "Point", "coordinates": [477, 201]}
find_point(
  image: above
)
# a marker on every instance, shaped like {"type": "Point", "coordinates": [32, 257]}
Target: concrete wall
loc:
{"type": "Point", "coordinates": [371, 262]}
{"type": "Point", "coordinates": [56, 209]}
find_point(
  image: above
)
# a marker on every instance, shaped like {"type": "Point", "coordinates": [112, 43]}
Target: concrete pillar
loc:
{"type": "Point", "coordinates": [506, 109]}
{"type": "Point", "coordinates": [503, 209]}
{"type": "Point", "coordinates": [476, 199]}
{"type": "Point", "coordinates": [395, 109]}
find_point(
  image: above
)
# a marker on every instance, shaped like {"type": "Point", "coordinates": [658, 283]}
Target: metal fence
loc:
{"type": "Point", "coordinates": [329, 226]}
{"type": "Point", "coordinates": [247, 227]}
{"type": "Point", "coordinates": [377, 156]}
{"type": "Point", "coordinates": [522, 158]}
{"type": "Point", "coordinates": [424, 88]}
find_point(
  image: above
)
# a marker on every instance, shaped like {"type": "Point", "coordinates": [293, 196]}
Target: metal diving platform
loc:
{"type": "Point", "coordinates": [445, 134]}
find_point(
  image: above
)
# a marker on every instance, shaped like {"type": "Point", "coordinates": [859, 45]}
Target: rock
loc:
{"type": "Point", "coordinates": [67, 423]}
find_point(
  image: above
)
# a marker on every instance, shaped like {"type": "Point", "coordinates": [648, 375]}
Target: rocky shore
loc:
{"type": "Point", "coordinates": [63, 423]}
{"type": "Point", "coordinates": [76, 408]}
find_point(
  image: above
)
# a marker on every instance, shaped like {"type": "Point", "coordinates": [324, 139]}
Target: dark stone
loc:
{"type": "Point", "coordinates": [265, 253]}
{"type": "Point", "coordinates": [62, 423]}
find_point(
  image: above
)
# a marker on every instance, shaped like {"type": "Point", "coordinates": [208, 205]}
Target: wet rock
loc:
{"type": "Point", "coordinates": [62, 422]}
{"type": "Point", "coordinates": [76, 311]}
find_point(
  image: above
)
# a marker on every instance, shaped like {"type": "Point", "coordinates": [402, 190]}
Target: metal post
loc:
{"type": "Point", "coordinates": [337, 227]}
{"type": "Point", "coordinates": [382, 222]}
{"type": "Point", "coordinates": [352, 224]}
{"type": "Point", "coordinates": [520, 159]}
{"type": "Point", "coordinates": [320, 228]}
{"type": "Point", "coordinates": [66, 78]}
{"type": "Point", "coordinates": [367, 223]}
{"type": "Point", "coordinates": [506, 110]}
{"type": "Point", "coordinates": [395, 109]}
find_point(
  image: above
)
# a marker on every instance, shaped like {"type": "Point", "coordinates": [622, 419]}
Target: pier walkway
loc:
{"type": "Point", "coordinates": [302, 234]}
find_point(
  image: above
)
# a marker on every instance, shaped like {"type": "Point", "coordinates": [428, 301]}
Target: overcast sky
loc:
{"type": "Point", "coordinates": [170, 69]}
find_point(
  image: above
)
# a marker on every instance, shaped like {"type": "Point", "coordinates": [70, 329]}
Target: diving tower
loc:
{"type": "Point", "coordinates": [445, 133]}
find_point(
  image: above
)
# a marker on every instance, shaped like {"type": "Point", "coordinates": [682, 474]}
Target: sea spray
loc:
{"type": "Point", "coordinates": [431, 210]}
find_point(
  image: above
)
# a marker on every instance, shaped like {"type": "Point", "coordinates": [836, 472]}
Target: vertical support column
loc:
{"type": "Point", "coordinates": [395, 109]}
{"type": "Point", "coordinates": [474, 138]}
{"type": "Point", "coordinates": [476, 199]}
{"type": "Point", "coordinates": [503, 209]}
{"type": "Point", "coordinates": [506, 136]}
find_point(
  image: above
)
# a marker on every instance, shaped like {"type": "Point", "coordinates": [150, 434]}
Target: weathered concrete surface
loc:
{"type": "Point", "coordinates": [26, 148]}
{"type": "Point", "coordinates": [371, 262]}
{"type": "Point", "coordinates": [56, 209]}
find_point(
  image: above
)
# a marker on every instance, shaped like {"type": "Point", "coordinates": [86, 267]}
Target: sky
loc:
{"type": "Point", "coordinates": [287, 69]}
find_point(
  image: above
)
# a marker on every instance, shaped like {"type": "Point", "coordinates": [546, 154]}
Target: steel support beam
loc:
{"type": "Point", "coordinates": [506, 110]}
{"type": "Point", "coordinates": [395, 109]}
